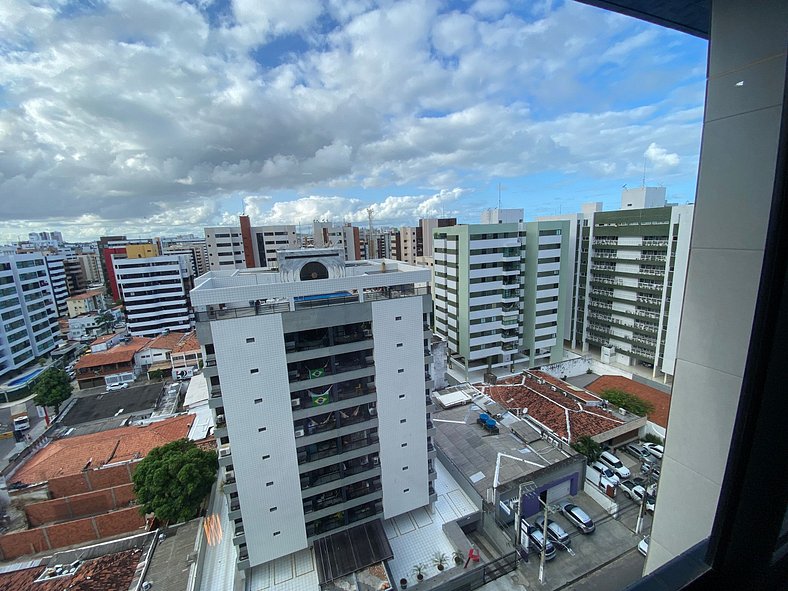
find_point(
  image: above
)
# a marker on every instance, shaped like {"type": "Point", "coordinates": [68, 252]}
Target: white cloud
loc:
{"type": "Point", "coordinates": [660, 157]}
{"type": "Point", "coordinates": [142, 110]}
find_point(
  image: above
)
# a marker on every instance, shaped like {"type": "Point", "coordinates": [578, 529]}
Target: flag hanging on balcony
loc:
{"type": "Point", "coordinates": [317, 373]}
{"type": "Point", "coordinates": [320, 399]}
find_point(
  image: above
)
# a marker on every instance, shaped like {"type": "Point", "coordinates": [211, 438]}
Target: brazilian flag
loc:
{"type": "Point", "coordinates": [317, 373]}
{"type": "Point", "coordinates": [320, 399]}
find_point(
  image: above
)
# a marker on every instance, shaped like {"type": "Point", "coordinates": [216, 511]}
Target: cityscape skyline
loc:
{"type": "Point", "coordinates": [219, 110]}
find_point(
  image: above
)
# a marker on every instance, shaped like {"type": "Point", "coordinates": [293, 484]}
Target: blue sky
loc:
{"type": "Point", "coordinates": [156, 117]}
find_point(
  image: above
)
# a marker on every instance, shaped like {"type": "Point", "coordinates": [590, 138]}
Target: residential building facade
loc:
{"type": "Point", "coordinates": [56, 270]}
{"type": "Point", "coordinates": [498, 291]}
{"type": "Point", "coordinates": [344, 236]}
{"type": "Point", "coordinates": [155, 293]}
{"type": "Point", "coordinates": [28, 315]}
{"type": "Point", "coordinates": [631, 271]}
{"type": "Point", "coordinates": [246, 246]}
{"type": "Point", "coordinates": [319, 383]}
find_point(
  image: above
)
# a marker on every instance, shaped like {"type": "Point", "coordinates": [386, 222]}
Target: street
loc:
{"type": "Point", "coordinates": [615, 576]}
{"type": "Point", "coordinates": [7, 445]}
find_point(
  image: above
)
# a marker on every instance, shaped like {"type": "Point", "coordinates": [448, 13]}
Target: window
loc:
{"type": "Point", "coordinates": [266, 457]}
{"type": "Point", "coordinates": [272, 509]}
{"type": "Point", "coordinates": [403, 421]}
{"type": "Point", "coordinates": [276, 533]}
{"type": "Point", "coordinates": [261, 429]}
{"type": "Point", "coordinates": [399, 344]}
{"type": "Point", "coordinates": [403, 445]}
{"type": "Point", "coordinates": [401, 396]}
{"type": "Point", "coordinates": [255, 370]}
{"type": "Point", "coordinates": [271, 483]}
{"type": "Point", "coordinates": [258, 400]}
{"type": "Point", "coordinates": [404, 468]}
{"type": "Point", "coordinates": [398, 318]}
{"type": "Point", "coordinates": [250, 340]}
{"type": "Point", "coordinates": [405, 490]}
{"type": "Point", "coordinates": [400, 371]}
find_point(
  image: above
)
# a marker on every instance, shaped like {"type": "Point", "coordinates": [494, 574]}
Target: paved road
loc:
{"type": "Point", "coordinates": [615, 576]}
{"type": "Point", "coordinates": [6, 445]}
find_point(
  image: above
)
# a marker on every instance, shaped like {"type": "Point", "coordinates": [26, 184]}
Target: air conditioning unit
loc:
{"type": "Point", "coordinates": [373, 411]}
{"type": "Point", "coordinates": [375, 460]}
{"type": "Point", "coordinates": [299, 432]}
{"type": "Point", "coordinates": [295, 402]}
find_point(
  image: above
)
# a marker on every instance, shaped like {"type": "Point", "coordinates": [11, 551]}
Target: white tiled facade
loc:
{"type": "Point", "coordinates": [29, 327]}
{"type": "Point", "coordinates": [155, 293]}
{"type": "Point", "coordinates": [225, 246]}
{"type": "Point", "coordinates": [318, 380]}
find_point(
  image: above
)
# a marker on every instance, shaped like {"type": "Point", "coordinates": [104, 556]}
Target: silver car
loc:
{"type": "Point", "coordinates": [555, 532]}
{"type": "Point", "coordinates": [578, 517]}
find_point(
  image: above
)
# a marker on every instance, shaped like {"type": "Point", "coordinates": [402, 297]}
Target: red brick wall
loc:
{"type": "Point", "coordinates": [81, 505]}
{"type": "Point", "coordinates": [74, 484]}
{"type": "Point", "coordinates": [80, 531]}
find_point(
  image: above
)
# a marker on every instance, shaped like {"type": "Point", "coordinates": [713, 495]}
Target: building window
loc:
{"type": "Point", "coordinates": [404, 468]}
{"type": "Point", "coordinates": [405, 490]}
{"type": "Point", "coordinates": [398, 318]}
{"type": "Point", "coordinates": [404, 445]}
{"type": "Point", "coordinates": [266, 457]}
{"type": "Point", "coordinates": [272, 509]}
{"type": "Point", "coordinates": [271, 483]}
{"type": "Point", "coordinates": [400, 371]}
{"type": "Point", "coordinates": [258, 400]}
{"type": "Point", "coordinates": [261, 429]}
{"type": "Point", "coordinates": [399, 344]}
{"type": "Point", "coordinates": [403, 420]}
{"type": "Point", "coordinates": [250, 340]}
{"type": "Point", "coordinates": [255, 370]}
{"type": "Point", "coordinates": [276, 533]}
{"type": "Point", "coordinates": [402, 396]}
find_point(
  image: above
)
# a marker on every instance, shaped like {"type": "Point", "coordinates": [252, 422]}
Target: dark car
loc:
{"type": "Point", "coordinates": [536, 538]}
{"type": "Point", "coordinates": [578, 517]}
{"type": "Point", "coordinates": [555, 532]}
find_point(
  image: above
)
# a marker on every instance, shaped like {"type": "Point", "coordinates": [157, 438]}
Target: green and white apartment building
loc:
{"type": "Point", "coordinates": [629, 271]}
{"type": "Point", "coordinates": [497, 292]}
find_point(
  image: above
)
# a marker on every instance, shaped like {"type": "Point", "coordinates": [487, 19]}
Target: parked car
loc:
{"type": "Point", "coordinates": [116, 387]}
{"type": "Point", "coordinates": [655, 450]}
{"type": "Point", "coordinates": [612, 461]}
{"type": "Point", "coordinates": [632, 490]}
{"type": "Point", "coordinates": [537, 539]}
{"type": "Point", "coordinates": [555, 532]}
{"type": "Point", "coordinates": [637, 452]}
{"type": "Point", "coordinates": [578, 517]}
{"type": "Point", "coordinates": [643, 546]}
{"type": "Point", "coordinates": [605, 471]}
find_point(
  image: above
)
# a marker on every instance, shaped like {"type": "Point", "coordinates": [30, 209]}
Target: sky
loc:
{"type": "Point", "coordinates": [161, 117]}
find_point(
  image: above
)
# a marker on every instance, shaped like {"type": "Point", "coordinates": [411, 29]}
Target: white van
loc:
{"type": "Point", "coordinates": [615, 464]}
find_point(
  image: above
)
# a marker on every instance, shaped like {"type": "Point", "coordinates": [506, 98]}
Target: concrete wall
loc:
{"type": "Point", "coordinates": [736, 184]}
{"type": "Point", "coordinates": [80, 531]}
{"type": "Point", "coordinates": [402, 408]}
{"type": "Point", "coordinates": [250, 358]}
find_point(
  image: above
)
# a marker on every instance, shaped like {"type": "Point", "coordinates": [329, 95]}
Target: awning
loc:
{"type": "Point", "coordinates": [346, 552]}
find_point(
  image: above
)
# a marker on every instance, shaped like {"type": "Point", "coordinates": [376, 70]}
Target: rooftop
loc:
{"type": "Point", "coordinates": [73, 454]}
{"type": "Point", "coordinates": [475, 452]}
{"type": "Point", "coordinates": [177, 342]}
{"type": "Point", "coordinates": [112, 572]}
{"type": "Point", "coordinates": [169, 565]}
{"type": "Point", "coordinates": [88, 294]}
{"type": "Point", "coordinates": [121, 353]}
{"type": "Point", "coordinates": [660, 400]}
{"type": "Point", "coordinates": [566, 410]}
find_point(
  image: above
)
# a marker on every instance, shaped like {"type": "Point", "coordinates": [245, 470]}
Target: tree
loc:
{"type": "Point", "coordinates": [588, 447]}
{"type": "Point", "coordinates": [172, 480]}
{"type": "Point", "coordinates": [52, 388]}
{"type": "Point", "coordinates": [628, 401]}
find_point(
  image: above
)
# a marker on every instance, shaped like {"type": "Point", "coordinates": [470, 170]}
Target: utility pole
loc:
{"type": "Point", "coordinates": [544, 539]}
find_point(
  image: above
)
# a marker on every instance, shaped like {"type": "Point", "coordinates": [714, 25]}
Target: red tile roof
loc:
{"type": "Point", "coordinates": [113, 572]}
{"type": "Point", "coordinates": [122, 353]}
{"type": "Point", "coordinates": [88, 294]}
{"type": "Point", "coordinates": [71, 454]}
{"type": "Point", "coordinates": [567, 415]}
{"type": "Point", "coordinates": [177, 342]}
{"type": "Point", "coordinates": [659, 399]}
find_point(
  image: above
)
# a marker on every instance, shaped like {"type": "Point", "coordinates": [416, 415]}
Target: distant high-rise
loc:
{"type": "Point", "coordinates": [30, 327]}
{"type": "Point", "coordinates": [502, 216]}
{"type": "Point", "coordinates": [498, 290]}
{"type": "Point", "coordinates": [246, 246]}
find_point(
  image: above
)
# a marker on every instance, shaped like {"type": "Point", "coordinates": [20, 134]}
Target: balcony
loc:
{"type": "Point", "coordinates": [323, 423]}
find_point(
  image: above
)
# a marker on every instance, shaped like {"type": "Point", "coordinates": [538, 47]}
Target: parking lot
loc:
{"type": "Point", "coordinates": [96, 404]}
{"type": "Point", "coordinates": [611, 540]}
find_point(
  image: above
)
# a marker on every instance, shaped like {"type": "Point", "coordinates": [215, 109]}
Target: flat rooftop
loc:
{"type": "Point", "coordinates": [475, 451]}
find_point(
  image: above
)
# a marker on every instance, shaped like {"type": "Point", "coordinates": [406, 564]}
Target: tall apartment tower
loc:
{"type": "Point", "coordinates": [29, 328]}
{"type": "Point", "coordinates": [344, 236]}
{"type": "Point", "coordinates": [631, 273]}
{"type": "Point", "coordinates": [155, 293]}
{"type": "Point", "coordinates": [318, 377]}
{"type": "Point", "coordinates": [498, 292]}
{"type": "Point", "coordinates": [246, 246]}
{"type": "Point", "coordinates": [56, 271]}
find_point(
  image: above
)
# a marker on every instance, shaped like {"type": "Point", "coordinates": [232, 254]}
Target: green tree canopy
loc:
{"type": "Point", "coordinates": [172, 480]}
{"type": "Point", "coordinates": [52, 388]}
{"type": "Point", "coordinates": [588, 447]}
{"type": "Point", "coordinates": [628, 401]}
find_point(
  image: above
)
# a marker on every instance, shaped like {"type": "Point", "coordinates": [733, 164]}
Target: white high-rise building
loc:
{"type": "Point", "coordinates": [246, 246]}
{"type": "Point", "coordinates": [56, 271]}
{"type": "Point", "coordinates": [344, 236]}
{"type": "Point", "coordinates": [155, 293]}
{"type": "Point", "coordinates": [318, 375]}
{"type": "Point", "coordinates": [502, 216]}
{"type": "Point", "coordinates": [29, 326]}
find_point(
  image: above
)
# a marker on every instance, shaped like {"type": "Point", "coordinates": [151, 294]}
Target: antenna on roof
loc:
{"type": "Point", "coordinates": [644, 171]}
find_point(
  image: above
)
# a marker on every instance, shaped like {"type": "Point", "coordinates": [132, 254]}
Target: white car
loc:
{"type": "Point", "coordinates": [655, 450]}
{"type": "Point", "coordinates": [606, 472]}
{"type": "Point", "coordinates": [643, 546]}
{"type": "Point", "coordinates": [116, 387]}
{"type": "Point", "coordinates": [611, 461]}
